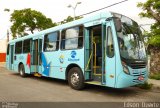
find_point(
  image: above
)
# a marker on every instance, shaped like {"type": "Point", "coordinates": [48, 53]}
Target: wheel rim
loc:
{"type": "Point", "coordinates": [75, 79]}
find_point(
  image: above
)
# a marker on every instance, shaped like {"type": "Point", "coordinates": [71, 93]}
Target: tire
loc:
{"type": "Point", "coordinates": [22, 71]}
{"type": "Point", "coordinates": [75, 78]}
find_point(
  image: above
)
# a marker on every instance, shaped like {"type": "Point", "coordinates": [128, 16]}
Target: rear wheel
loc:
{"type": "Point", "coordinates": [75, 78]}
{"type": "Point", "coordinates": [22, 71]}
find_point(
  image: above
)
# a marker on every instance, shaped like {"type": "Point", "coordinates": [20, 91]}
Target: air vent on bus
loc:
{"type": "Point", "coordinates": [137, 65]}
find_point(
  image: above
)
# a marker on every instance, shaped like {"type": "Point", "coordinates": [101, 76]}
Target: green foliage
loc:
{"type": "Point", "coordinates": [155, 76]}
{"type": "Point", "coordinates": [145, 86]}
{"type": "Point", "coordinates": [151, 9]}
{"type": "Point", "coordinates": [69, 19]}
{"type": "Point", "coordinates": [29, 20]}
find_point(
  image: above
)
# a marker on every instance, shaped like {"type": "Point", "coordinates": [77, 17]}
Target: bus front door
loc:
{"type": "Point", "coordinates": [36, 49]}
{"type": "Point", "coordinates": [11, 57]}
{"type": "Point", "coordinates": [110, 65]}
{"type": "Point", "coordinates": [94, 54]}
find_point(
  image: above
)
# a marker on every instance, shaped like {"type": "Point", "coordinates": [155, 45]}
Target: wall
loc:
{"type": "Point", "coordinates": [3, 47]}
{"type": "Point", "coordinates": [155, 60]}
{"type": "Point", "coordinates": [2, 57]}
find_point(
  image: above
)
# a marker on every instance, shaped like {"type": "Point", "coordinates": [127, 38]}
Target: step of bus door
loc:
{"type": "Point", "coordinates": [93, 82]}
{"type": "Point", "coordinates": [37, 74]}
{"type": "Point", "coordinates": [97, 78]}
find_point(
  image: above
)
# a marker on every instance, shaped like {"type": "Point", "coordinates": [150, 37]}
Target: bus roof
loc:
{"type": "Point", "coordinates": [93, 17]}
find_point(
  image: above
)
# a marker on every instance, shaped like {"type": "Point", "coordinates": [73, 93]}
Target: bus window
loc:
{"type": "Point", "coordinates": [8, 49]}
{"type": "Point", "coordinates": [51, 41]}
{"type": "Point", "coordinates": [110, 46]}
{"type": "Point", "coordinates": [72, 38]}
{"type": "Point", "coordinates": [26, 46]}
{"type": "Point", "coordinates": [18, 47]}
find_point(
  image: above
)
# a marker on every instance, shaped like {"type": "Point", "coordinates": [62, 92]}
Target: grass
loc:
{"type": "Point", "coordinates": [155, 76]}
{"type": "Point", "coordinates": [146, 86]}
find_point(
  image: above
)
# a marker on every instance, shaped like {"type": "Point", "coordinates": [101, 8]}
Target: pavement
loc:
{"type": "Point", "coordinates": [14, 88]}
{"type": "Point", "coordinates": [156, 83]}
{"type": "Point", "coordinates": [2, 64]}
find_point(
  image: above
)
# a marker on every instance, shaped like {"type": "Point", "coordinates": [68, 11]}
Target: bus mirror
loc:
{"type": "Point", "coordinates": [118, 24]}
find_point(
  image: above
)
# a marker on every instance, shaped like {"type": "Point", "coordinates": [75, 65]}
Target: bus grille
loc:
{"type": "Point", "coordinates": [136, 74]}
{"type": "Point", "coordinates": [138, 65]}
{"type": "Point", "coordinates": [139, 73]}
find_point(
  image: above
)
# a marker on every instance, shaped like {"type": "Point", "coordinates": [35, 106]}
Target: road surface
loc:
{"type": "Point", "coordinates": [14, 88]}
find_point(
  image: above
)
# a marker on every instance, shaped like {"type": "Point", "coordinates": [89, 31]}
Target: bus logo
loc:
{"type": "Point", "coordinates": [73, 57]}
{"type": "Point", "coordinates": [73, 54]}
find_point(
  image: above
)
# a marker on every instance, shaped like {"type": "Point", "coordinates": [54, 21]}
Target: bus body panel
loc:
{"type": "Point", "coordinates": [17, 60]}
{"type": "Point", "coordinates": [57, 62]}
{"type": "Point", "coordinates": [50, 64]}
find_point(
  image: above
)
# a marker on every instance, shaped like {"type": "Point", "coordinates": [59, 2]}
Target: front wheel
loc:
{"type": "Point", "coordinates": [22, 71]}
{"type": "Point", "coordinates": [75, 78]}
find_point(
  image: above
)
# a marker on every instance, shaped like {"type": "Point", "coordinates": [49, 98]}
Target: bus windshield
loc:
{"type": "Point", "coordinates": [130, 42]}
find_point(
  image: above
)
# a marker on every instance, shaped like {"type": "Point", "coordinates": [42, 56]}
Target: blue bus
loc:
{"type": "Point", "coordinates": [104, 49]}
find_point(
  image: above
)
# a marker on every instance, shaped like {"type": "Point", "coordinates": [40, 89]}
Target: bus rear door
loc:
{"type": "Point", "coordinates": [36, 49]}
{"type": "Point", "coordinates": [11, 57]}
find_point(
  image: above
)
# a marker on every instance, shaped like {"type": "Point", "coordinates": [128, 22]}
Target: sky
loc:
{"type": "Point", "coordinates": [57, 10]}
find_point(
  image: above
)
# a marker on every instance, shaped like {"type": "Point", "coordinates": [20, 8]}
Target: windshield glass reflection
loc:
{"type": "Point", "coordinates": [130, 42]}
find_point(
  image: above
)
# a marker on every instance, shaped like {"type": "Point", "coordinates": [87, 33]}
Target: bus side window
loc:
{"type": "Point", "coordinates": [26, 46]}
{"type": "Point", "coordinates": [51, 42]}
{"type": "Point", "coordinates": [110, 44]}
{"type": "Point", "coordinates": [18, 47]}
{"type": "Point", "coordinates": [72, 38]}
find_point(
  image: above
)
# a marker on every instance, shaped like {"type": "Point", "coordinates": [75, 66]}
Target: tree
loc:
{"type": "Point", "coordinates": [151, 9]}
{"type": "Point", "coordinates": [69, 19]}
{"type": "Point", "coordinates": [29, 20]}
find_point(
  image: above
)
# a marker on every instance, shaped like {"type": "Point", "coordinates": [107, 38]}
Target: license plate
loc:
{"type": "Point", "coordinates": [140, 78]}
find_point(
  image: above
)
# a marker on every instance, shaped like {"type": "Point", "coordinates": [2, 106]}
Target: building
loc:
{"type": "Point", "coordinates": [3, 47]}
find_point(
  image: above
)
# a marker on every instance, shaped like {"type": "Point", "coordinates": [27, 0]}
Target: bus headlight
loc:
{"type": "Point", "coordinates": [125, 68]}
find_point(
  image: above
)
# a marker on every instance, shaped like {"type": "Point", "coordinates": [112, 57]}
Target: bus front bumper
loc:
{"type": "Point", "coordinates": [125, 80]}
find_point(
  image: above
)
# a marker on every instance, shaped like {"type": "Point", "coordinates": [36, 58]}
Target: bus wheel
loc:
{"type": "Point", "coordinates": [75, 78]}
{"type": "Point", "coordinates": [22, 71]}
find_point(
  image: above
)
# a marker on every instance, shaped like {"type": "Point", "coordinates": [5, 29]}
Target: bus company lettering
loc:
{"type": "Point", "coordinates": [70, 59]}
{"type": "Point", "coordinates": [73, 57]}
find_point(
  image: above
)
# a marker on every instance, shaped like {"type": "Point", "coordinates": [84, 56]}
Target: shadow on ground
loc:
{"type": "Point", "coordinates": [124, 92]}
